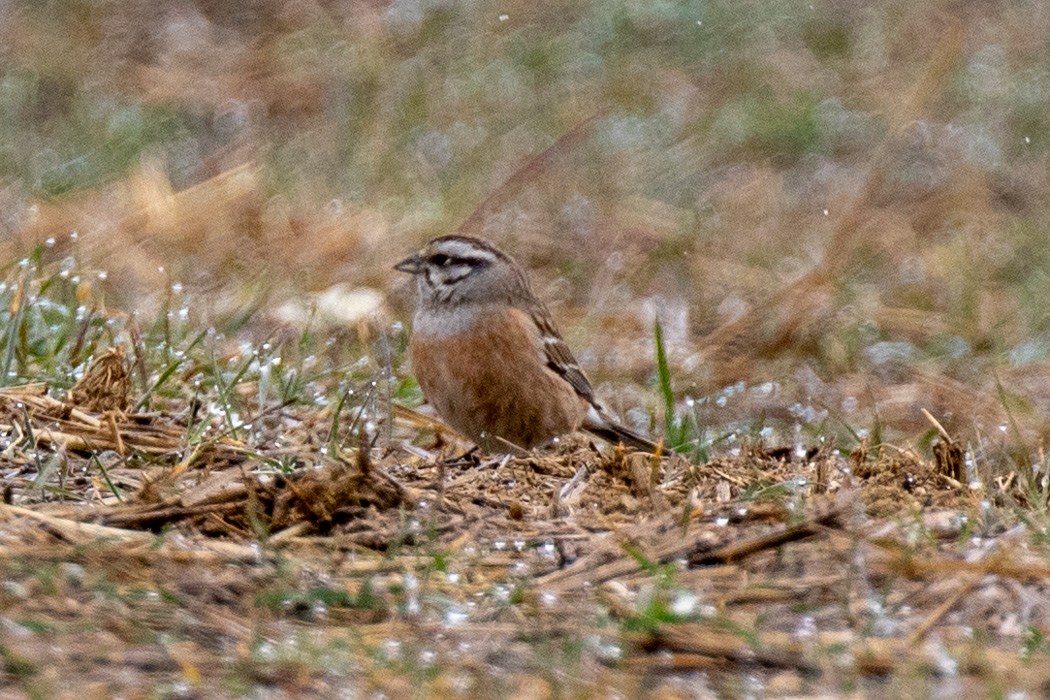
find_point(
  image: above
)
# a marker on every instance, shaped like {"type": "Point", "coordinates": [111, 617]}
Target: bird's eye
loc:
{"type": "Point", "coordinates": [440, 259]}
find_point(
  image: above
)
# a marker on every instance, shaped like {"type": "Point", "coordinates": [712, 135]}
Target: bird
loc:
{"type": "Point", "coordinates": [488, 356]}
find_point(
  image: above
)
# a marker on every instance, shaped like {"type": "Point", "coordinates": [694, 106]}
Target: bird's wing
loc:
{"type": "Point", "coordinates": [558, 356]}
{"type": "Point", "coordinates": [560, 360]}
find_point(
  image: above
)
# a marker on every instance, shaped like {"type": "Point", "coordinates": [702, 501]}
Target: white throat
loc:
{"type": "Point", "coordinates": [443, 322]}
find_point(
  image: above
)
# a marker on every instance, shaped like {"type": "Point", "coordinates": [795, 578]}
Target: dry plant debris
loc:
{"type": "Point", "coordinates": [658, 567]}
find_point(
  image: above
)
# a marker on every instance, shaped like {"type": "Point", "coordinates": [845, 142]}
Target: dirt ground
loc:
{"type": "Point", "coordinates": [426, 569]}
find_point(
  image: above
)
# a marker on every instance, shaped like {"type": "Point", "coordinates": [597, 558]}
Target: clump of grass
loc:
{"type": "Point", "coordinates": [55, 321]}
{"type": "Point", "coordinates": [657, 607]}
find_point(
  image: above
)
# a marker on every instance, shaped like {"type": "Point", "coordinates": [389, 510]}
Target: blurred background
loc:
{"type": "Point", "coordinates": [837, 209]}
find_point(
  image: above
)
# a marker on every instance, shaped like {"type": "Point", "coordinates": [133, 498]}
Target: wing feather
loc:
{"type": "Point", "coordinates": [557, 354]}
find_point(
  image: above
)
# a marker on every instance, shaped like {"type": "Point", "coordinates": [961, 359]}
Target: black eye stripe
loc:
{"type": "Point", "coordinates": [443, 260]}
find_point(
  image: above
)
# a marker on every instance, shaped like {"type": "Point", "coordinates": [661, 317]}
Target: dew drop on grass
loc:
{"type": "Point", "coordinates": [16, 589]}
{"type": "Point", "coordinates": [806, 629]}
{"type": "Point", "coordinates": [548, 599]}
{"type": "Point", "coordinates": [753, 687]}
{"type": "Point", "coordinates": [177, 287]}
{"type": "Point", "coordinates": [499, 545]}
{"type": "Point", "coordinates": [684, 603]}
{"type": "Point", "coordinates": [608, 651]}
{"type": "Point", "coordinates": [50, 242]}
{"type": "Point", "coordinates": [763, 390]}
{"type": "Point", "coordinates": [455, 617]}
{"type": "Point", "coordinates": [452, 577]}
{"type": "Point", "coordinates": [74, 235]}
{"type": "Point", "coordinates": [102, 274]}
{"type": "Point", "coordinates": [721, 521]}
{"type": "Point", "coordinates": [411, 587]}
{"type": "Point", "coordinates": [946, 666]}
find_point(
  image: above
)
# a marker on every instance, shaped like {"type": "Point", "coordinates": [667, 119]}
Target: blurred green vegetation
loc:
{"type": "Point", "coordinates": [365, 101]}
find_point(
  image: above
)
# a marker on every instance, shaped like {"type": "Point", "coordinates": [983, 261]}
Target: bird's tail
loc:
{"type": "Point", "coordinates": [607, 429]}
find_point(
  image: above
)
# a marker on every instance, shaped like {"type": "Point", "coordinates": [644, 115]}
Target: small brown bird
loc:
{"type": "Point", "coordinates": [488, 356]}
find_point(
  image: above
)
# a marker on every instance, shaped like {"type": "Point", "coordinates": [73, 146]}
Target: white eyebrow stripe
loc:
{"type": "Point", "coordinates": [463, 251]}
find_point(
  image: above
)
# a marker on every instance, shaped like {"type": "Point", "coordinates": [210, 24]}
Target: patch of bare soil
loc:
{"type": "Point", "coordinates": [142, 561]}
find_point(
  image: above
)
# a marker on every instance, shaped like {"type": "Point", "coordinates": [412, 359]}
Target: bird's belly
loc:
{"type": "Point", "coordinates": [488, 379]}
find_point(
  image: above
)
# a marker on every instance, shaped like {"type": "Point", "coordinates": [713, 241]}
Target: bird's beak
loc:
{"type": "Point", "coordinates": [413, 265]}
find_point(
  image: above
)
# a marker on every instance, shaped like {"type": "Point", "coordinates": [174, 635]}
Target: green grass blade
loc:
{"type": "Point", "coordinates": [664, 374]}
{"type": "Point", "coordinates": [12, 336]}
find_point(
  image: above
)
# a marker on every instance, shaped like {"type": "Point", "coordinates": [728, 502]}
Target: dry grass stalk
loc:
{"type": "Point", "coordinates": [805, 307]}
